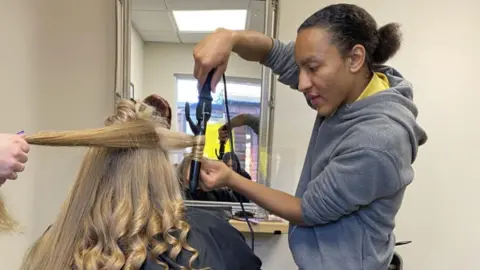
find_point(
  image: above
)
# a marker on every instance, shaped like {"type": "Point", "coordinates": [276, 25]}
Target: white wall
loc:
{"type": "Point", "coordinates": [57, 72]}
{"type": "Point", "coordinates": [439, 55]}
{"type": "Point", "coordinates": [136, 62]}
{"type": "Point", "coordinates": [163, 60]}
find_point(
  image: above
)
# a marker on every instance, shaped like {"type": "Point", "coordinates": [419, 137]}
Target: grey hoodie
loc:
{"type": "Point", "coordinates": [357, 167]}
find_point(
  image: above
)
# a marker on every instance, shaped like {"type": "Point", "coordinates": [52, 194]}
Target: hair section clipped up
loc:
{"type": "Point", "coordinates": [126, 205]}
{"type": "Point", "coordinates": [162, 108]}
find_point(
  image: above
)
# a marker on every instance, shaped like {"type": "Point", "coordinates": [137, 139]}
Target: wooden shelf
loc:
{"type": "Point", "coordinates": [271, 227]}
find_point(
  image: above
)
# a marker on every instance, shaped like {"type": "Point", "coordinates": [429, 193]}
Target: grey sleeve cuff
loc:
{"type": "Point", "coordinates": [253, 122]}
{"type": "Point", "coordinates": [281, 60]}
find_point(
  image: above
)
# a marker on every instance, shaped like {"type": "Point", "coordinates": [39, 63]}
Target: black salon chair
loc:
{"type": "Point", "coordinates": [397, 262]}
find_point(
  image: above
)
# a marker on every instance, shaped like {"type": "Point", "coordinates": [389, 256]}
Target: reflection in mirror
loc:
{"type": "Point", "coordinates": [163, 36]}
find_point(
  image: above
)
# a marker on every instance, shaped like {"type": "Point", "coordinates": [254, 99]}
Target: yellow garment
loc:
{"type": "Point", "coordinates": [262, 164]}
{"type": "Point", "coordinates": [212, 142]}
{"type": "Point", "coordinates": [378, 83]}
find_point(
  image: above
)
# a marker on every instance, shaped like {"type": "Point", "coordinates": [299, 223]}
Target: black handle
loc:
{"type": "Point", "coordinates": [203, 112]}
{"type": "Point", "coordinates": [205, 92]}
{"type": "Point", "coordinates": [194, 175]}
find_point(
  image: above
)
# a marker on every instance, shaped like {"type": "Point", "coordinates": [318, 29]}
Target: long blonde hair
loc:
{"type": "Point", "coordinates": [126, 204]}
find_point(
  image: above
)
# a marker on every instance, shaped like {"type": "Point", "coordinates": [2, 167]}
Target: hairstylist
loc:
{"type": "Point", "coordinates": [364, 139]}
{"type": "Point", "coordinates": [13, 156]}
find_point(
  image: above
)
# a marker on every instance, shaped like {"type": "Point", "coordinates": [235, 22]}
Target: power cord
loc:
{"type": "Point", "coordinates": [232, 150]}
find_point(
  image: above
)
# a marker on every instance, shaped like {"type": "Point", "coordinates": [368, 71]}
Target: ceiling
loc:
{"type": "Point", "coordinates": [154, 21]}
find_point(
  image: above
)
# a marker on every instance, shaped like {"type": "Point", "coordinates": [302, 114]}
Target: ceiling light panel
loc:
{"type": "Point", "coordinates": [209, 20]}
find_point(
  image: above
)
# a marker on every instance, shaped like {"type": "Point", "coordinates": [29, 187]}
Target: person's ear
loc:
{"type": "Point", "coordinates": [357, 58]}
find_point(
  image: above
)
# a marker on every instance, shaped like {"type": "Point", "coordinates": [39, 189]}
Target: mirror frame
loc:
{"type": "Point", "coordinates": [267, 105]}
{"type": "Point", "coordinates": [122, 64]}
{"type": "Point", "coordinates": [267, 98]}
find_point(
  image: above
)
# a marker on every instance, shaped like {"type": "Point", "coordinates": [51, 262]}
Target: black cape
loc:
{"type": "Point", "coordinates": [220, 246]}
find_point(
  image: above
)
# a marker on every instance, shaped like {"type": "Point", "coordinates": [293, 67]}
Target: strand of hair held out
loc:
{"type": "Point", "coordinates": [138, 133]}
{"type": "Point", "coordinates": [133, 134]}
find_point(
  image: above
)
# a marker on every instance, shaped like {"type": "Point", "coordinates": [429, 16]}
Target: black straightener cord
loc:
{"type": "Point", "coordinates": [229, 128]}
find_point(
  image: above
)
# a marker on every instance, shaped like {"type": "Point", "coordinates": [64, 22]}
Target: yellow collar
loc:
{"type": "Point", "coordinates": [378, 83]}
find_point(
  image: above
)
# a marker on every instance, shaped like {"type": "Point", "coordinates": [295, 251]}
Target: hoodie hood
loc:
{"type": "Point", "coordinates": [395, 103]}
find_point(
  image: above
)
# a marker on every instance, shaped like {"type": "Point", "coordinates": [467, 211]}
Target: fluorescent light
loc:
{"type": "Point", "coordinates": [209, 20]}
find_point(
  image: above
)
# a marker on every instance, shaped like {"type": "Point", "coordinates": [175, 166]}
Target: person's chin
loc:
{"type": "Point", "coordinates": [324, 110]}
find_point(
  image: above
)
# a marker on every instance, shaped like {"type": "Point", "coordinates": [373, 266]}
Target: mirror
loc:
{"type": "Point", "coordinates": [163, 34]}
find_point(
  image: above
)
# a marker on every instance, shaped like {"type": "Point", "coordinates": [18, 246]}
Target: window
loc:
{"type": "Point", "coordinates": [243, 97]}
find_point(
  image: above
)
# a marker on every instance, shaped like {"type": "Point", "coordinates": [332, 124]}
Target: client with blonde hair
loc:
{"type": "Point", "coordinates": [125, 209]}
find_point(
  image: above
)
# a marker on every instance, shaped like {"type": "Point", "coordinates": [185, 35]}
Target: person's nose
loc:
{"type": "Point", "coordinates": [304, 82]}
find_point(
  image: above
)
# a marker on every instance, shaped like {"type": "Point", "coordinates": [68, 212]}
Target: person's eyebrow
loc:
{"type": "Point", "coordinates": [307, 60]}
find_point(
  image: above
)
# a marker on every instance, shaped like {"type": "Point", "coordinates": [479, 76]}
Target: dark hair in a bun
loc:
{"type": "Point", "coordinates": [389, 41]}
{"type": "Point", "coordinates": [351, 25]}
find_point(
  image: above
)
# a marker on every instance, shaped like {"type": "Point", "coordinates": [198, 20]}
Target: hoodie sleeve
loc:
{"type": "Point", "coordinates": [349, 181]}
{"type": "Point", "coordinates": [281, 60]}
{"type": "Point", "coordinates": [253, 122]}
